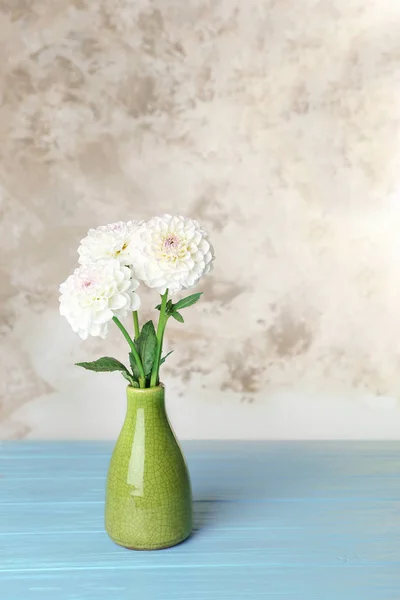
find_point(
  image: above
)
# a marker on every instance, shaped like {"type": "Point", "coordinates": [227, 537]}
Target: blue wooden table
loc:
{"type": "Point", "coordinates": [296, 520]}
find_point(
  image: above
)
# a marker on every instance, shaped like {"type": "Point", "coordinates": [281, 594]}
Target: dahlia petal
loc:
{"type": "Point", "coordinates": [135, 302]}
{"type": "Point", "coordinates": [118, 301]}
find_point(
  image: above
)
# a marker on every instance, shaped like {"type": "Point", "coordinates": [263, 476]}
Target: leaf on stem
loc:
{"type": "Point", "coordinates": [168, 307]}
{"type": "Point", "coordinates": [164, 358]}
{"type": "Point", "coordinates": [171, 310]}
{"type": "Point", "coordinates": [134, 367]}
{"type": "Point", "coordinates": [188, 301]}
{"type": "Point", "coordinates": [177, 316]}
{"type": "Point", "coordinates": [130, 379]}
{"type": "Point", "coordinates": [106, 363]}
{"type": "Point", "coordinates": [146, 345]}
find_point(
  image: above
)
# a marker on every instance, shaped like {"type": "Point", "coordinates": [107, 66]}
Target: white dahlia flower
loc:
{"type": "Point", "coordinates": [173, 253]}
{"type": "Point", "coordinates": [95, 293]}
{"type": "Point", "coordinates": [109, 241]}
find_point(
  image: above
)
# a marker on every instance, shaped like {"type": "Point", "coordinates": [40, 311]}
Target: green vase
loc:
{"type": "Point", "coordinates": [148, 497]}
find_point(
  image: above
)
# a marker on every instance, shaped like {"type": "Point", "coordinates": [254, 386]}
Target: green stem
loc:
{"type": "Point", "coordinates": [142, 378]}
{"type": "Point", "coordinates": [162, 321]}
{"type": "Point", "coordinates": [136, 323]}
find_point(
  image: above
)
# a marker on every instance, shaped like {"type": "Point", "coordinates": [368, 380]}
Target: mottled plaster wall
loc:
{"type": "Point", "coordinates": [274, 122]}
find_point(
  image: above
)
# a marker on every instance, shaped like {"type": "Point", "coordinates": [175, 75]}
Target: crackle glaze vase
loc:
{"type": "Point", "coordinates": [148, 495]}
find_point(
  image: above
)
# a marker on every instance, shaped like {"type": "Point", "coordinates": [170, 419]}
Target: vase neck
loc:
{"type": "Point", "coordinates": [149, 399]}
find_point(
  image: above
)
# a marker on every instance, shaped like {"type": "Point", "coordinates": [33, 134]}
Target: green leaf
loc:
{"type": "Point", "coordinates": [147, 346]}
{"type": "Point", "coordinates": [164, 358]}
{"type": "Point", "coordinates": [177, 316]}
{"type": "Point", "coordinates": [134, 367]}
{"type": "Point", "coordinates": [129, 378]}
{"type": "Point", "coordinates": [106, 363]}
{"type": "Point", "coordinates": [188, 301]}
{"type": "Point", "coordinates": [168, 307]}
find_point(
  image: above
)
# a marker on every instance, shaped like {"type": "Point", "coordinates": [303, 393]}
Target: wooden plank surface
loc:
{"type": "Point", "coordinates": [295, 520]}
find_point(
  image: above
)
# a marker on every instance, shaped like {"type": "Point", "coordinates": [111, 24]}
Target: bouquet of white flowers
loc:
{"type": "Point", "coordinates": [168, 253]}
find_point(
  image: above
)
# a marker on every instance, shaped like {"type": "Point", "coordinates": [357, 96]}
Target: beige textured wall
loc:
{"type": "Point", "coordinates": [274, 122]}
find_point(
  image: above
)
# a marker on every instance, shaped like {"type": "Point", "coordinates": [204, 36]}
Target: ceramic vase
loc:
{"type": "Point", "coordinates": [148, 495]}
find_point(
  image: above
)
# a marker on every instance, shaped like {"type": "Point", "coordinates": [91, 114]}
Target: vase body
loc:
{"type": "Point", "coordinates": [148, 495]}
